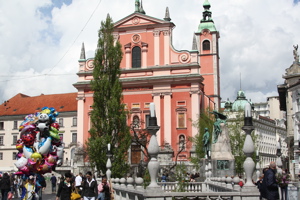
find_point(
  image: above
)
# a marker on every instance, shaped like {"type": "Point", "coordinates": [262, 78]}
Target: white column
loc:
{"type": "Point", "coordinates": [167, 117]}
{"type": "Point", "coordinates": [156, 101]}
{"type": "Point", "coordinates": [80, 119]}
{"type": "Point", "coordinates": [156, 47]}
{"type": "Point", "coordinates": [128, 56]}
{"type": "Point", "coordinates": [195, 108]}
{"type": "Point", "coordinates": [166, 47]}
{"type": "Point", "coordinates": [144, 54]}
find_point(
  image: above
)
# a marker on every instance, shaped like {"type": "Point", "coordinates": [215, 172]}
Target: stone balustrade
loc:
{"type": "Point", "coordinates": [215, 188]}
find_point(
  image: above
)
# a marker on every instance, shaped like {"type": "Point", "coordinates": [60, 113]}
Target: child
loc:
{"type": "Point", "coordinates": [28, 191]}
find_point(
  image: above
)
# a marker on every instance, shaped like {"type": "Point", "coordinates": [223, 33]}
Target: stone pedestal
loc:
{"type": "Point", "coordinates": [221, 156]}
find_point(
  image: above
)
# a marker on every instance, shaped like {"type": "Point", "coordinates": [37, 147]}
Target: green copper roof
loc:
{"type": "Point", "coordinates": [206, 3]}
{"type": "Point", "coordinates": [240, 102]}
{"type": "Point", "coordinates": [207, 25]}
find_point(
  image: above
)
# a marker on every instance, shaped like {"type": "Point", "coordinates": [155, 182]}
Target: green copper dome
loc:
{"type": "Point", "coordinates": [240, 102]}
{"type": "Point", "coordinates": [206, 22]}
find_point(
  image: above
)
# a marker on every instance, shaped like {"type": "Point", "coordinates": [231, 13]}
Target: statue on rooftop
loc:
{"type": "Point", "coordinates": [220, 118]}
{"type": "Point", "coordinates": [295, 52]}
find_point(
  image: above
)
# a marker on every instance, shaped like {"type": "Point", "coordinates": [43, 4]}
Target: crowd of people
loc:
{"type": "Point", "coordinates": [25, 188]}
{"type": "Point", "coordinates": [86, 186]}
{"type": "Point", "coordinates": [31, 187]}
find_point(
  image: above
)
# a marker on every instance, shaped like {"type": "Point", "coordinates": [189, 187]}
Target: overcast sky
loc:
{"type": "Point", "coordinates": [41, 40]}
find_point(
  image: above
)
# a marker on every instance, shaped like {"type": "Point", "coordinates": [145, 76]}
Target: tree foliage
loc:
{"type": "Point", "coordinates": [108, 116]}
{"type": "Point", "coordinates": [205, 120]}
{"type": "Point", "coordinates": [237, 139]}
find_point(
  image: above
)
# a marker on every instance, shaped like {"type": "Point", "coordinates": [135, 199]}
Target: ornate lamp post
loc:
{"type": "Point", "coordinates": [108, 163]}
{"type": "Point", "coordinates": [278, 154]}
{"type": "Point", "coordinates": [257, 164]}
{"type": "Point", "coordinates": [153, 148]}
{"type": "Point", "coordinates": [248, 148]}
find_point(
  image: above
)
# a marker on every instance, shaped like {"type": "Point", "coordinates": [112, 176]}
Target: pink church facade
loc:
{"type": "Point", "coordinates": [180, 83]}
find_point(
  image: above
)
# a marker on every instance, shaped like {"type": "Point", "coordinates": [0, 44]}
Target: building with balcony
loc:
{"type": "Point", "coordinates": [12, 113]}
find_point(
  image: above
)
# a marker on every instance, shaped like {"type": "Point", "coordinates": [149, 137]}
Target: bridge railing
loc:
{"type": "Point", "coordinates": [130, 189]}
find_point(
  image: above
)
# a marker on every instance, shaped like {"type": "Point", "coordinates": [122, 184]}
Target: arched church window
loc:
{"type": "Point", "coordinates": [136, 57]}
{"type": "Point", "coordinates": [206, 45]}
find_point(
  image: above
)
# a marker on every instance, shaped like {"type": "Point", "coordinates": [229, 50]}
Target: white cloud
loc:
{"type": "Point", "coordinates": [256, 42]}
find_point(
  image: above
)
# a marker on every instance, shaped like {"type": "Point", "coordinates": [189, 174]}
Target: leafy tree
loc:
{"type": "Point", "coordinates": [206, 120]}
{"type": "Point", "coordinates": [108, 116]}
{"type": "Point", "coordinates": [237, 139]}
{"type": "Point", "coordinates": [181, 178]}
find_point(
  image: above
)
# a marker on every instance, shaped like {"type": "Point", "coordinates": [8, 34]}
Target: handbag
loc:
{"type": "Point", "coordinates": [75, 195]}
{"type": "Point", "coordinates": [9, 195]}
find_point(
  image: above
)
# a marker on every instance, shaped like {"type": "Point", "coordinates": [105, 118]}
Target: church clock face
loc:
{"type": "Point", "coordinates": [136, 38]}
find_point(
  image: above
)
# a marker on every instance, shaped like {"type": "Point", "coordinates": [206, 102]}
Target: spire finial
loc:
{"type": "Point", "coordinates": [82, 53]}
{"type": "Point", "coordinates": [167, 15]}
{"type": "Point", "coordinates": [141, 8]}
{"type": "Point", "coordinates": [194, 47]}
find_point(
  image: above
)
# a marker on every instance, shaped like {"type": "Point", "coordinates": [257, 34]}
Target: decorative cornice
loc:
{"type": "Point", "coordinates": [195, 92]}
{"type": "Point", "coordinates": [156, 33]}
{"type": "Point", "coordinates": [166, 94]}
{"type": "Point", "coordinates": [156, 94]}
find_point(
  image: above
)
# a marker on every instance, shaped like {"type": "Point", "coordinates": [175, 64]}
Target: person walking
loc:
{"type": "Point", "coordinates": [269, 184]}
{"type": "Point", "coordinates": [65, 188]}
{"type": "Point", "coordinates": [78, 181]}
{"type": "Point", "coordinates": [5, 186]}
{"type": "Point", "coordinates": [28, 191]}
{"type": "Point", "coordinates": [89, 188]}
{"type": "Point", "coordinates": [53, 180]}
{"type": "Point", "coordinates": [104, 190]}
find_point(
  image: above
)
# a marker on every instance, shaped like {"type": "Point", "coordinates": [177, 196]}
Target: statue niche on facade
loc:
{"type": "Point", "coordinates": [219, 118]}
{"type": "Point", "coordinates": [206, 143]}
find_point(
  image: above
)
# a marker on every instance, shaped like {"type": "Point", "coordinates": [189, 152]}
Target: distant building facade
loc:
{"type": "Point", "coordinates": [12, 113]}
{"type": "Point", "coordinates": [270, 109]}
{"type": "Point", "coordinates": [179, 82]}
{"type": "Point", "coordinates": [289, 94]}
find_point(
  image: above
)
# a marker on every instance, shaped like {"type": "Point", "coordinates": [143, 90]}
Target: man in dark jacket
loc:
{"type": "Point", "coordinates": [89, 187]}
{"type": "Point", "coordinates": [5, 185]}
{"type": "Point", "coordinates": [269, 183]}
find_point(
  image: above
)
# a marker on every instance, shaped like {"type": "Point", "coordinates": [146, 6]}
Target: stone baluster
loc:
{"type": "Point", "coordinates": [117, 181]}
{"type": "Point", "coordinates": [139, 183]}
{"type": "Point", "coordinates": [122, 182]}
{"type": "Point", "coordinates": [229, 182]}
{"type": "Point", "coordinates": [236, 185]}
{"type": "Point", "coordinates": [223, 182]}
{"type": "Point", "coordinates": [129, 181]}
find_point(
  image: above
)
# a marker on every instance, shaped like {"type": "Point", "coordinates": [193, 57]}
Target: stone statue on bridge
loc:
{"type": "Point", "coordinates": [206, 142]}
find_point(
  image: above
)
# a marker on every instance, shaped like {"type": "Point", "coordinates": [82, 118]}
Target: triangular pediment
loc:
{"type": "Point", "coordinates": [138, 19]}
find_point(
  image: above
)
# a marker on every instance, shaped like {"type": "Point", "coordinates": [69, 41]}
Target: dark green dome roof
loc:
{"type": "Point", "coordinates": [240, 102]}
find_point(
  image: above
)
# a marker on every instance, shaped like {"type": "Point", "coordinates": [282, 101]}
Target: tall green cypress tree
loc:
{"type": "Point", "coordinates": [108, 116]}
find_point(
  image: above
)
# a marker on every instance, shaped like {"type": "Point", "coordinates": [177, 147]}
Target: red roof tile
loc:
{"type": "Point", "coordinates": [23, 105]}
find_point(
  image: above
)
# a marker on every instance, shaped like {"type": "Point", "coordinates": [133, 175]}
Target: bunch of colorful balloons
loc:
{"type": "Point", "coordinates": [40, 148]}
